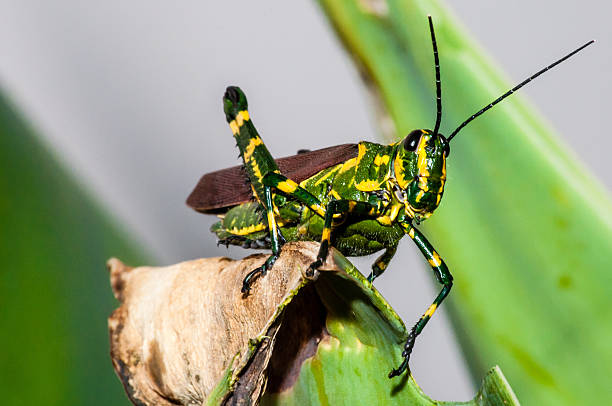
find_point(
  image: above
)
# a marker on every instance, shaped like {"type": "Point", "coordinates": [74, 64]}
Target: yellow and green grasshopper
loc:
{"type": "Point", "coordinates": [360, 198]}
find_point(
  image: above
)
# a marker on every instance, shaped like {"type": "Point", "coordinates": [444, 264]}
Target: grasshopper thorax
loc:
{"type": "Point", "coordinates": [420, 171]}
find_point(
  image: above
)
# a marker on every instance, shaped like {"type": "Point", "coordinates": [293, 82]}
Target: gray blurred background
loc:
{"type": "Point", "coordinates": [129, 95]}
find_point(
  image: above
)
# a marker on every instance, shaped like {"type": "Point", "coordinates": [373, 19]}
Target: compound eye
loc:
{"type": "Point", "coordinates": [412, 140]}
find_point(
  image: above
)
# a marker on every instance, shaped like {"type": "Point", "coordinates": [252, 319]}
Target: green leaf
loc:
{"type": "Point", "coordinates": [54, 292]}
{"type": "Point", "coordinates": [525, 229]}
{"type": "Point", "coordinates": [331, 341]}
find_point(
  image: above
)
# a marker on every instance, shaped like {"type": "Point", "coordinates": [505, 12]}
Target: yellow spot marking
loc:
{"type": "Point", "coordinates": [326, 234]}
{"type": "Point", "coordinates": [303, 230]}
{"type": "Point", "coordinates": [335, 194]}
{"type": "Point", "coordinates": [247, 230]}
{"type": "Point", "coordinates": [381, 160]}
{"type": "Point", "coordinates": [382, 265]}
{"type": "Point", "coordinates": [287, 186]}
{"type": "Point", "coordinates": [352, 205]}
{"type": "Point", "coordinates": [438, 198]}
{"type": "Point", "coordinates": [367, 185]}
{"type": "Point", "coordinates": [234, 127]}
{"type": "Point", "coordinates": [431, 310]}
{"type": "Point", "coordinates": [411, 233]}
{"type": "Point", "coordinates": [435, 260]}
{"type": "Point", "coordinates": [384, 220]}
{"type": "Point", "coordinates": [253, 142]}
{"type": "Point", "coordinates": [242, 117]}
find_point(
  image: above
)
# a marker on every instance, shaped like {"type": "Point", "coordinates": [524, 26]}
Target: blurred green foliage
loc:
{"type": "Point", "coordinates": [54, 288]}
{"type": "Point", "coordinates": [524, 228]}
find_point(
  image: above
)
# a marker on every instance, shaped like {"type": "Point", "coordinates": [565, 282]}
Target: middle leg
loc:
{"type": "Point", "coordinates": [382, 262]}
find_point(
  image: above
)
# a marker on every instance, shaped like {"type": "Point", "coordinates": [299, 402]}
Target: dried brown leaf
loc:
{"type": "Point", "coordinates": [180, 327]}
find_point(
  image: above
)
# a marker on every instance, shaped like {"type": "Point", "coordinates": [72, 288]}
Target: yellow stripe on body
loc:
{"type": "Point", "coordinates": [320, 180]}
{"type": "Point", "coordinates": [431, 310]}
{"type": "Point", "coordinates": [420, 195]}
{"type": "Point", "coordinates": [422, 168]}
{"type": "Point", "coordinates": [384, 220]}
{"type": "Point", "coordinates": [326, 235]}
{"type": "Point", "coordinates": [361, 151]}
{"type": "Point", "coordinates": [247, 230]}
{"type": "Point", "coordinates": [422, 159]}
{"type": "Point", "coordinates": [250, 148]}
{"type": "Point", "coordinates": [240, 119]}
{"type": "Point", "coordinates": [256, 172]}
{"type": "Point", "coordinates": [423, 184]}
{"type": "Point", "coordinates": [368, 185]}
{"type": "Point", "coordinates": [400, 170]}
{"type": "Point", "coordinates": [390, 218]}
{"type": "Point", "coordinates": [348, 165]}
{"type": "Point", "coordinates": [271, 222]}
{"type": "Point", "coordinates": [382, 265]}
{"type": "Point", "coordinates": [287, 186]}
{"type": "Point", "coordinates": [318, 209]}
{"type": "Point", "coordinates": [435, 260]}
{"type": "Point", "coordinates": [234, 127]}
{"type": "Point", "coordinates": [395, 211]}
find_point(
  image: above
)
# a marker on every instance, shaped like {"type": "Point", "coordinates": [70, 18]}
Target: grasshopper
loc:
{"type": "Point", "coordinates": [366, 195]}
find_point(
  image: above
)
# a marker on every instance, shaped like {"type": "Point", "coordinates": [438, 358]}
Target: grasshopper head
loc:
{"type": "Point", "coordinates": [234, 101]}
{"type": "Point", "coordinates": [420, 170]}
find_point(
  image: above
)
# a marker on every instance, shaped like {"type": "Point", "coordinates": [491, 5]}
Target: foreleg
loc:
{"type": "Point", "coordinates": [443, 276]}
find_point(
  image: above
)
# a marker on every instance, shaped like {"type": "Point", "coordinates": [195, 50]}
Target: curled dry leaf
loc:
{"type": "Point", "coordinates": [180, 327]}
{"type": "Point", "coordinates": [186, 335]}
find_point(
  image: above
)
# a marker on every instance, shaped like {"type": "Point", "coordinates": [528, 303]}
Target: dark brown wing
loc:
{"type": "Point", "coordinates": [217, 191]}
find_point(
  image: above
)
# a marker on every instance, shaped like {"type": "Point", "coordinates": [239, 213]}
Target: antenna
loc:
{"type": "Point", "coordinates": [515, 88]}
{"type": "Point", "coordinates": [438, 85]}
